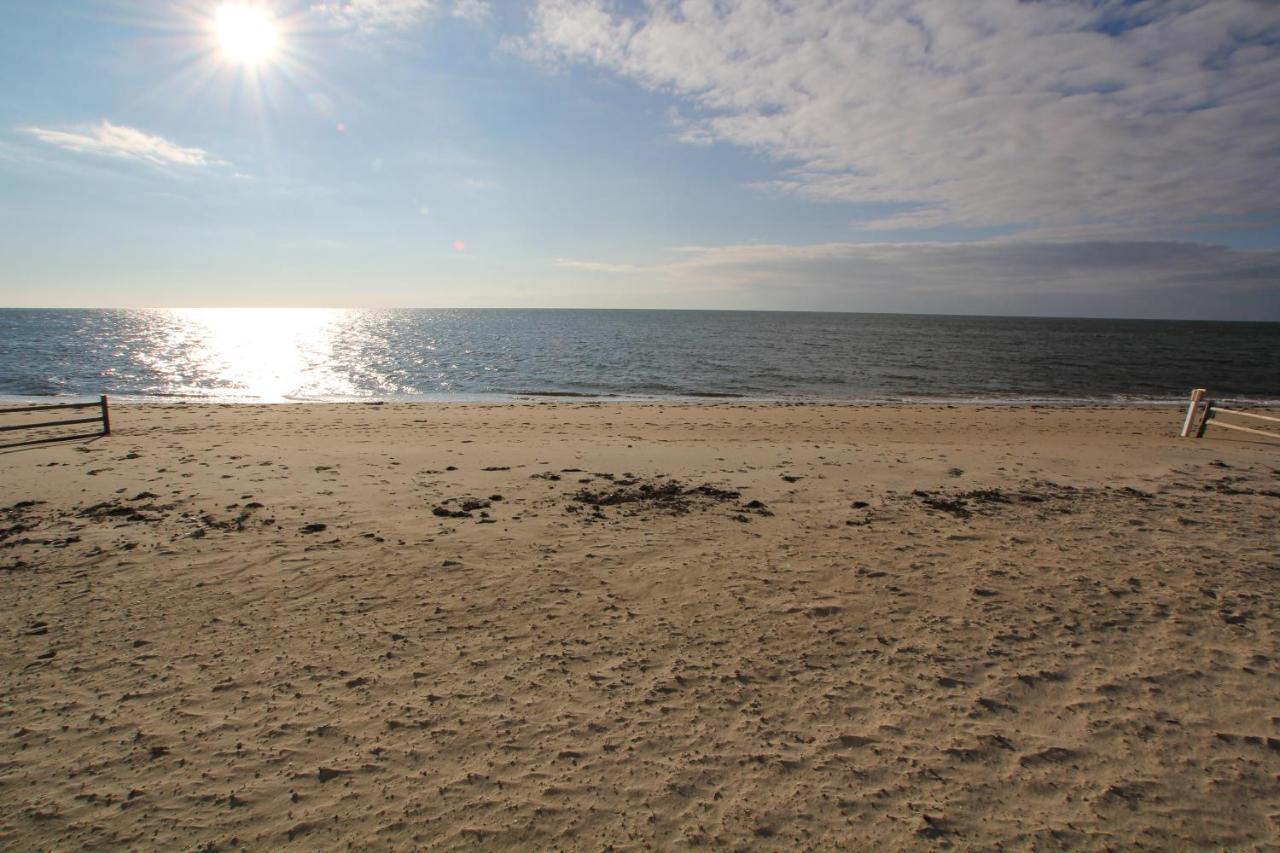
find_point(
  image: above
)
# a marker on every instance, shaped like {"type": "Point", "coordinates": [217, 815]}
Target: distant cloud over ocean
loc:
{"type": "Point", "coordinates": [1083, 278]}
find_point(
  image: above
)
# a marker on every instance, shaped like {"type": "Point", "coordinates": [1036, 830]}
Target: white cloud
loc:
{"type": "Point", "coordinates": [984, 113]}
{"type": "Point", "coordinates": [602, 266]}
{"type": "Point", "coordinates": [113, 140]}
{"type": "Point", "coordinates": [371, 15]}
{"type": "Point", "coordinates": [375, 15]}
{"type": "Point", "coordinates": [1095, 278]}
{"type": "Point", "coordinates": [472, 10]}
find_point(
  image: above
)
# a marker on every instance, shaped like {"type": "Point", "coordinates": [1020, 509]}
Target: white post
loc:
{"type": "Point", "coordinates": [1196, 396]}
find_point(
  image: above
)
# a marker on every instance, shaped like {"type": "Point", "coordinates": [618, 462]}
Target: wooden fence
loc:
{"type": "Point", "coordinates": [103, 418]}
{"type": "Point", "coordinates": [1213, 412]}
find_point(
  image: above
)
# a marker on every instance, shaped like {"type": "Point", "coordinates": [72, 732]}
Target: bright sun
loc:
{"type": "Point", "coordinates": [247, 34]}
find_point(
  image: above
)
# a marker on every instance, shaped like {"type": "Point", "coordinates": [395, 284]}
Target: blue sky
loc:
{"type": "Point", "coordinates": [1080, 158]}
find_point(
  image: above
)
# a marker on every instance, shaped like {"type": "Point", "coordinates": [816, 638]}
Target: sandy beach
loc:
{"type": "Point", "coordinates": [640, 626]}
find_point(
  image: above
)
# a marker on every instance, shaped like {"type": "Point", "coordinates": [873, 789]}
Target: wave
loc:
{"type": "Point", "coordinates": [713, 395]}
{"type": "Point", "coordinates": [688, 397]}
{"type": "Point", "coordinates": [580, 394]}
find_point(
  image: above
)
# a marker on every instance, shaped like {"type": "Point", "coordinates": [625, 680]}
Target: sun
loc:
{"type": "Point", "coordinates": [247, 34]}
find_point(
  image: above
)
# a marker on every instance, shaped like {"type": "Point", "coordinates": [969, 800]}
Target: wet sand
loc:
{"type": "Point", "coordinates": [643, 625]}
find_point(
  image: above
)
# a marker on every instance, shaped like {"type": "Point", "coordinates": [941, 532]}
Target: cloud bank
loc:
{"type": "Point", "coordinates": [1158, 279]}
{"type": "Point", "coordinates": [993, 113]}
{"type": "Point", "coordinates": [128, 143]}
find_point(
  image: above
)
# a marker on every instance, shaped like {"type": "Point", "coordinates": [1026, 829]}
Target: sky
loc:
{"type": "Point", "coordinates": [1047, 157]}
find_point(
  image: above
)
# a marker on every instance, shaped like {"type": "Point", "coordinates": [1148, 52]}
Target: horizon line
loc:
{"type": "Point", "coordinates": [618, 309]}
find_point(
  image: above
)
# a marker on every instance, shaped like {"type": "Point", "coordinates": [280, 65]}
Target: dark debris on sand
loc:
{"type": "Point", "coordinates": [634, 496]}
{"type": "Point", "coordinates": [464, 507]}
{"type": "Point", "coordinates": [961, 505]}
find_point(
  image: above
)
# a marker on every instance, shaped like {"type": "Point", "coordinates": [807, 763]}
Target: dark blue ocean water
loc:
{"type": "Point", "coordinates": [274, 355]}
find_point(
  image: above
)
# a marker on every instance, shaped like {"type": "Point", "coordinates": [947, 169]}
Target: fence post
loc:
{"type": "Point", "coordinates": [1196, 396]}
{"type": "Point", "coordinates": [106, 416]}
{"type": "Point", "coordinates": [1204, 422]}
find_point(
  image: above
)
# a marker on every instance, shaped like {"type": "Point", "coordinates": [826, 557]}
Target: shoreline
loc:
{"type": "Point", "coordinates": [572, 398]}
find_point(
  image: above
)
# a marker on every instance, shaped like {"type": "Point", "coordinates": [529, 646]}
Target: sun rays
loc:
{"type": "Point", "coordinates": [234, 56]}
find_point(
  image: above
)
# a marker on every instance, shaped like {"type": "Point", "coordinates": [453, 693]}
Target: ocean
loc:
{"type": "Point", "coordinates": [287, 355]}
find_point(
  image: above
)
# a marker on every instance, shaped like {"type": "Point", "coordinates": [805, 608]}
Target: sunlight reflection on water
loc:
{"type": "Point", "coordinates": [264, 354]}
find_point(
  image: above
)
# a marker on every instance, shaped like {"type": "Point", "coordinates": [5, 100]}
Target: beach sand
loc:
{"type": "Point", "coordinates": [500, 625]}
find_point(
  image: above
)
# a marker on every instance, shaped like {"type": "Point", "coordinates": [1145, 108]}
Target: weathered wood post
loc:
{"type": "Point", "coordinates": [1204, 422]}
{"type": "Point", "coordinates": [106, 416]}
{"type": "Point", "coordinates": [1196, 396]}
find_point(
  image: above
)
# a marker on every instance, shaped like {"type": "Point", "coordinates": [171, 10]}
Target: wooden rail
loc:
{"type": "Point", "coordinates": [1212, 411]}
{"type": "Point", "coordinates": [1247, 429]}
{"type": "Point", "coordinates": [1246, 414]}
{"type": "Point", "coordinates": [103, 417]}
